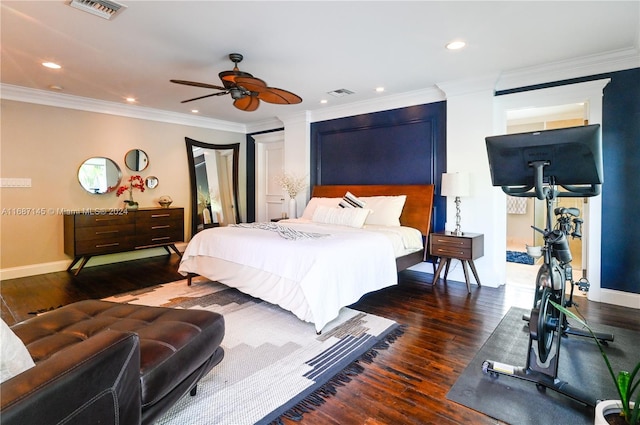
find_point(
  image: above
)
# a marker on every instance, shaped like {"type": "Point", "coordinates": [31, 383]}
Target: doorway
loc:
{"type": "Point", "coordinates": [522, 213]}
{"type": "Point", "coordinates": [269, 164]}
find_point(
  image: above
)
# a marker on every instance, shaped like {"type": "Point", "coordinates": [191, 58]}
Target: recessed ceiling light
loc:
{"type": "Point", "coordinates": [455, 45]}
{"type": "Point", "coordinates": [51, 65]}
{"type": "Point", "coordinates": [195, 111]}
{"type": "Point", "coordinates": [55, 87]}
{"type": "Point", "coordinates": [379, 89]}
{"type": "Point", "coordinates": [131, 99]}
{"type": "Point", "coordinates": [324, 101]}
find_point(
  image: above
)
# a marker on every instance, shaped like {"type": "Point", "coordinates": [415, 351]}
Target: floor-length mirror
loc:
{"type": "Point", "coordinates": [213, 170]}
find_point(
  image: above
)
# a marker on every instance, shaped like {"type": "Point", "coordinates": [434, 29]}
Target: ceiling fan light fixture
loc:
{"type": "Point", "coordinates": [236, 93]}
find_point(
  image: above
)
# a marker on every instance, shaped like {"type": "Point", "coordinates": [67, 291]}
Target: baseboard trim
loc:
{"type": "Point", "coordinates": [58, 266]}
{"type": "Point", "coordinates": [624, 299]}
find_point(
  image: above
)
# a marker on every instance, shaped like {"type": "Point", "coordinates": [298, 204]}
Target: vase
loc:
{"type": "Point", "coordinates": [292, 208]}
{"type": "Point", "coordinates": [131, 205]}
{"type": "Point", "coordinates": [607, 407]}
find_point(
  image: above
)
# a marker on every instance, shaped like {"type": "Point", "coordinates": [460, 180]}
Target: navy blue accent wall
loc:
{"type": "Point", "coordinates": [621, 188]}
{"type": "Point", "coordinates": [399, 146]}
{"type": "Point", "coordinates": [620, 258]}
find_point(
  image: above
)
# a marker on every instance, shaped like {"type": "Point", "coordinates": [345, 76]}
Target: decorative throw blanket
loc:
{"type": "Point", "coordinates": [284, 231]}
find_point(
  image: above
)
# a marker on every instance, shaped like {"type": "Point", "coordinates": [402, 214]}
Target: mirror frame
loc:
{"type": "Point", "coordinates": [190, 144]}
{"type": "Point", "coordinates": [151, 182]}
{"type": "Point", "coordinates": [110, 188]}
{"type": "Point", "coordinates": [137, 152]}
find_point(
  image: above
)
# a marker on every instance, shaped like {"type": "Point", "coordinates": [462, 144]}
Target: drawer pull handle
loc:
{"type": "Point", "coordinates": [160, 215]}
{"type": "Point", "coordinates": [449, 241]}
{"type": "Point", "coordinates": [160, 227]}
{"type": "Point", "coordinates": [104, 245]}
{"type": "Point", "coordinates": [105, 219]}
{"type": "Point", "coordinates": [160, 239]}
{"type": "Point", "coordinates": [104, 232]}
{"type": "Point", "coordinates": [445, 251]}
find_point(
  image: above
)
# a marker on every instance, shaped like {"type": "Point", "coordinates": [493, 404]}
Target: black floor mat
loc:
{"type": "Point", "coordinates": [516, 401]}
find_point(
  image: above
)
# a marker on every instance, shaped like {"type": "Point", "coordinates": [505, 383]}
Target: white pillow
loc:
{"type": "Point", "coordinates": [15, 357]}
{"type": "Point", "coordinates": [385, 210]}
{"type": "Point", "coordinates": [352, 217]}
{"type": "Point", "coordinates": [314, 202]}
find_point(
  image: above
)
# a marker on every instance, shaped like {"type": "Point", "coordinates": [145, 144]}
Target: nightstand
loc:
{"type": "Point", "coordinates": [464, 248]}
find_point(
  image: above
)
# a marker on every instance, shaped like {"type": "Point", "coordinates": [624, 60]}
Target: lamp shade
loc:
{"type": "Point", "coordinates": [455, 184]}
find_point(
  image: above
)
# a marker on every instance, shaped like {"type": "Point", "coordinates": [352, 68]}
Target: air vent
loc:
{"type": "Point", "coordinates": [102, 8]}
{"type": "Point", "coordinates": [340, 92]}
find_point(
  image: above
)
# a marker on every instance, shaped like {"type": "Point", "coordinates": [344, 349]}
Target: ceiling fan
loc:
{"type": "Point", "coordinates": [246, 90]}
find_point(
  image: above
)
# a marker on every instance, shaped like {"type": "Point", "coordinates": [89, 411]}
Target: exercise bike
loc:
{"type": "Point", "coordinates": [548, 325]}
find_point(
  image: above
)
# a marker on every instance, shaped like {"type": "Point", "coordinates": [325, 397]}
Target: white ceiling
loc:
{"type": "Point", "coordinates": [307, 47]}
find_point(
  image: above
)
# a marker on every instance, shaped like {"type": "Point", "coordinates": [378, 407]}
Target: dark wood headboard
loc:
{"type": "Point", "coordinates": [417, 209]}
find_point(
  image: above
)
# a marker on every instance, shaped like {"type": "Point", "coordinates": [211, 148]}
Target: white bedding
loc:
{"type": "Point", "coordinates": [312, 278]}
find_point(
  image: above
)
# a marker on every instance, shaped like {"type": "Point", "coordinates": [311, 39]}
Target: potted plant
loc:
{"type": "Point", "coordinates": [626, 384]}
{"type": "Point", "coordinates": [135, 182]}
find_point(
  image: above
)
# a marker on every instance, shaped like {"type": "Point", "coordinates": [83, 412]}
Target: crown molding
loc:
{"type": "Point", "coordinates": [617, 60]}
{"type": "Point", "coordinates": [469, 85]}
{"type": "Point", "coordinates": [385, 103]}
{"type": "Point", "coordinates": [42, 97]}
{"type": "Point", "coordinates": [266, 125]}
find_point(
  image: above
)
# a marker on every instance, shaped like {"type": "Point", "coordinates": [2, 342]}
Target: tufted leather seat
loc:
{"type": "Point", "coordinates": [177, 347]}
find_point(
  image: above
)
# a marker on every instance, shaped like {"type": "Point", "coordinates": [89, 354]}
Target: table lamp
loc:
{"type": "Point", "coordinates": [455, 184]}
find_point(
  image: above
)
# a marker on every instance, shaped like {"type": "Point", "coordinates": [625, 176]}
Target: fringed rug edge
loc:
{"type": "Point", "coordinates": [317, 397]}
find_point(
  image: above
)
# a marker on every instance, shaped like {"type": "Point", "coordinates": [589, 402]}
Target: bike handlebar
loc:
{"type": "Point", "coordinates": [541, 191]}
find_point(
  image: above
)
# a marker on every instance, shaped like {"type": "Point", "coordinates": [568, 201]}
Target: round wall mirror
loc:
{"type": "Point", "coordinates": [99, 175]}
{"type": "Point", "coordinates": [151, 182]}
{"type": "Point", "coordinates": [136, 160]}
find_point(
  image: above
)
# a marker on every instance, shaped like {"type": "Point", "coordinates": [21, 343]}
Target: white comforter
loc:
{"type": "Point", "coordinates": [330, 272]}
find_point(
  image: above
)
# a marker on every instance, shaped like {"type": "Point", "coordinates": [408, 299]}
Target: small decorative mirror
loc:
{"type": "Point", "coordinates": [136, 160]}
{"type": "Point", "coordinates": [99, 175]}
{"type": "Point", "coordinates": [151, 182]}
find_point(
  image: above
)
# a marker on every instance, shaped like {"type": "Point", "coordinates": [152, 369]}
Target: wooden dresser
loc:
{"type": "Point", "coordinates": [113, 231]}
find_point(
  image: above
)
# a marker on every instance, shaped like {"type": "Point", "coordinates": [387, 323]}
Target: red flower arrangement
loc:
{"type": "Point", "coordinates": [135, 182]}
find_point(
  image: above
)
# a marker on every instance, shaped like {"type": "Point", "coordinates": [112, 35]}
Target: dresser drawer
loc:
{"type": "Point", "coordinates": [159, 237]}
{"type": "Point", "coordinates": [104, 232]}
{"type": "Point", "coordinates": [105, 245]}
{"type": "Point", "coordinates": [452, 241]}
{"type": "Point", "coordinates": [450, 251]}
{"type": "Point", "coordinates": [160, 215]}
{"type": "Point", "coordinates": [91, 220]}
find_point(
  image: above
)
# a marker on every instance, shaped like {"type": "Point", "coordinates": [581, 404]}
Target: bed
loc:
{"type": "Point", "coordinates": [325, 260]}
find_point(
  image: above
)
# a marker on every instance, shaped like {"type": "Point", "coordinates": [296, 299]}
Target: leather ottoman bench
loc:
{"type": "Point", "coordinates": [177, 347]}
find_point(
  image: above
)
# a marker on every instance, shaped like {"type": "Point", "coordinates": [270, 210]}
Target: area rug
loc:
{"type": "Point", "coordinates": [275, 365]}
{"type": "Point", "coordinates": [519, 257]}
{"type": "Point", "coordinates": [515, 401]}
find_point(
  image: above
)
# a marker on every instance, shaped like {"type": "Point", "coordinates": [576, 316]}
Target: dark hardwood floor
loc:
{"type": "Point", "coordinates": [406, 384]}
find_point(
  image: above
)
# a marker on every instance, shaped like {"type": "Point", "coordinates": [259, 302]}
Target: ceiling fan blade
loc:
{"type": "Point", "coordinates": [275, 95]}
{"type": "Point", "coordinates": [205, 96]}
{"type": "Point", "coordinates": [193, 83]}
{"type": "Point", "coordinates": [247, 103]}
{"type": "Point", "coordinates": [251, 84]}
{"type": "Point", "coordinates": [229, 77]}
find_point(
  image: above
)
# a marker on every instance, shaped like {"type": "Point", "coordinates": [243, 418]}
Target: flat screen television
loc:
{"type": "Point", "coordinates": [572, 156]}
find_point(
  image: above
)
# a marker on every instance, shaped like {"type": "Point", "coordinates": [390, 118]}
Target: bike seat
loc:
{"type": "Point", "coordinates": [571, 211]}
